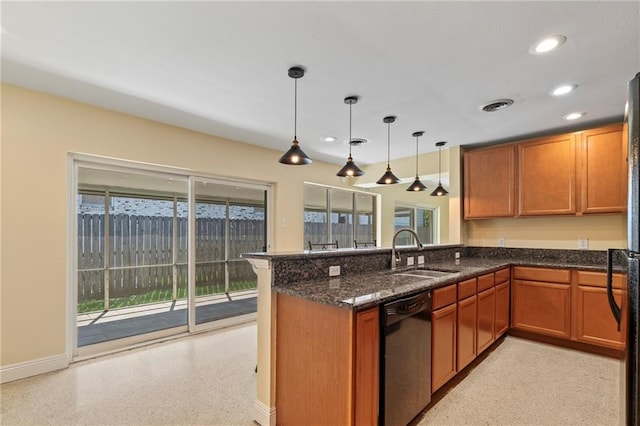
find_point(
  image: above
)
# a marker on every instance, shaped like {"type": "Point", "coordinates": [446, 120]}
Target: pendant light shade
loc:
{"type": "Point", "coordinates": [350, 169]}
{"type": "Point", "coordinates": [439, 191]}
{"type": "Point", "coordinates": [417, 186]}
{"type": "Point", "coordinates": [295, 156]}
{"type": "Point", "coordinates": [388, 178]}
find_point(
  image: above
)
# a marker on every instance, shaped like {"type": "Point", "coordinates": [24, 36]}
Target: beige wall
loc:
{"type": "Point", "coordinates": [38, 133]}
{"type": "Point", "coordinates": [550, 232]}
{"type": "Point", "coordinates": [428, 171]}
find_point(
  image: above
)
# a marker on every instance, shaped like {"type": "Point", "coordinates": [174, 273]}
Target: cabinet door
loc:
{"type": "Point", "coordinates": [502, 308]}
{"type": "Point", "coordinates": [604, 170]}
{"type": "Point", "coordinates": [486, 318]}
{"type": "Point", "coordinates": [594, 322]}
{"type": "Point", "coordinates": [546, 180]}
{"type": "Point", "coordinates": [443, 346]}
{"type": "Point", "coordinates": [367, 367]}
{"type": "Point", "coordinates": [466, 339]}
{"type": "Point", "coordinates": [489, 176]}
{"type": "Point", "coordinates": [541, 307]}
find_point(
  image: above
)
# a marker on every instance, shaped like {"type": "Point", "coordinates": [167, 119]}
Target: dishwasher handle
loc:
{"type": "Point", "coordinates": [407, 306]}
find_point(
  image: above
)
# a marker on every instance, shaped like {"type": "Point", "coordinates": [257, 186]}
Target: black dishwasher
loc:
{"type": "Point", "coordinates": [405, 354]}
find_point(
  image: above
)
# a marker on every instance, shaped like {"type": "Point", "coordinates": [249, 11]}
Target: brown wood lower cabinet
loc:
{"type": "Point", "coordinates": [541, 301]}
{"type": "Point", "coordinates": [467, 331]}
{"type": "Point", "coordinates": [502, 308]}
{"type": "Point", "coordinates": [367, 366]}
{"type": "Point", "coordinates": [443, 345]}
{"type": "Point", "coordinates": [327, 366]}
{"type": "Point", "coordinates": [594, 322]}
{"type": "Point", "coordinates": [569, 304]}
{"type": "Point", "coordinates": [486, 318]}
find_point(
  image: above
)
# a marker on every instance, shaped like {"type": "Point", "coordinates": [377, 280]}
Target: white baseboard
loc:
{"type": "Point", "coordinates": [34, 367]}
{"type": "Point", "coordinates": [263, 415]}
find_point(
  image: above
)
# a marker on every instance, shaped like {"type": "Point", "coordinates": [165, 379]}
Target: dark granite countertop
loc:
{"type": "Point", "coordinates": [362, 291]}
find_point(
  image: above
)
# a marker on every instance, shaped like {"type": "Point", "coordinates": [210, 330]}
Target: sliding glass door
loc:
{"type": "Point", "coordinates": [131, 254]}
{"type": "Point", "coordinates": [136, 278]}
{"type": "Point", "coordinates": [229, 221]}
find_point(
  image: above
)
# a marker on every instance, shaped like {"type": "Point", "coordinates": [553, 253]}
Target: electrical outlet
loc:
{"type": "Point", "coordinates": [420, 260]}
{"type": "Point", "coordinates": [583, 243]}
{"type": "Point", "coordinates": [502, 242]}
{"type": "Point", "coordinates": [410, 260]}
{"type": "Point", "coordinates": [334, 271]}
{"type": "Point", "coordinates": [457, 255]}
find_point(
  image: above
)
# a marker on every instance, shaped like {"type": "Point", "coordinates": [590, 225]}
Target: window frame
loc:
{"type": "Point", "coordinates": [435, 231]}
{"type": "Point", "coordinates": [354, 214]}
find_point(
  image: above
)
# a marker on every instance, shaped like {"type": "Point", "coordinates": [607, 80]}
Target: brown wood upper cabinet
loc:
{"type": "Point", "coordinates": [569, 174]}
{"type": "Point", "coordinates": [546, 178]}
{"type": "Point", "coordinates": [603, 170]}
{"type": "Point", "coordinates": [489, 176]}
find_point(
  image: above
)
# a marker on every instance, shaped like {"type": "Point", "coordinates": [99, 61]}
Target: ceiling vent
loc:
{"type": "Point", "coordinates": [497, 105]}
{"type": "Point", "coordinates": [358, 141]}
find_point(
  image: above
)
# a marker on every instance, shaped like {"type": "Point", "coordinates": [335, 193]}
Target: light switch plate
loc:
{"type": "Point", "coordinates": [410, 260]}
{"type": "Point", "coordinates": [334, 271]}
{"type": "Point", "coordinates": [502, 242]}
{"type": "Point", "coordinates": [420, 260]}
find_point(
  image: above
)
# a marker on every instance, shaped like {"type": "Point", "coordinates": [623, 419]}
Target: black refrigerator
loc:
{"type": "Point", "coordinates": [628, 259]}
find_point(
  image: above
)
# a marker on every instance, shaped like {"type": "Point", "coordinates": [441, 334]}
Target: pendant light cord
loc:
{"type": "Point", "coordinates": [417, 156]}
{"type": "Point", "coordinates": [388, 144]}
{"type": "Point", "coordinates": [439, 165]}
{"type": "Point", "coordinates": [349, 130]}
{"type": "Point", "coordinates": [295, 109]}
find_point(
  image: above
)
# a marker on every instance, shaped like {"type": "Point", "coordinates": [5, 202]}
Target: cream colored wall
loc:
{"type": "Point", "coordinates": [38, 132]}
{"type": "Point", "coordinates": [397, 194]}
{"type": "Point", "coordinates": [448, 207]}
{"type": "Point", "coordinates": [550, 232]}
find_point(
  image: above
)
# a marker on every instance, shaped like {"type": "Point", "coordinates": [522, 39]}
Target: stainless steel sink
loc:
{"type": "Point", "coordinates": [425, 273]}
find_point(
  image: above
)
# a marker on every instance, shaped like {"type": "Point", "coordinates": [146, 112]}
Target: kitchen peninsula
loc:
{"type": "Point", "coordinates": [319, 336]}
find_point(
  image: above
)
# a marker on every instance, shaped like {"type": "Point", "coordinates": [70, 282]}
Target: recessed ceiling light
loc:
{"type": "Point", "coordinates": [574, 115]}
{"type": "Point", "coordinates": [547, 45]}
{"type": "Point", "coordinates": [563, 90]}
{"type": "Point", "coordinates": [329, 138]}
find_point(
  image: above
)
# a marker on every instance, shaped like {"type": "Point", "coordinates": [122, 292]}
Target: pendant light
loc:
{"type": "Point", "coordinates": [295, 155]}
{"type": "Point", "coordinates": [350, 169]}
{"type": "Point", "coordinates": [417, 185]}
{"type": "Point", "coordinates": [439, 191]}
{"type": "Point", "coordinates": [388, 178]}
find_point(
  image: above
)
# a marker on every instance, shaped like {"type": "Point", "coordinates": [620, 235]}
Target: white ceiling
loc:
{"type": "Point", "coordinates": [221, 67]}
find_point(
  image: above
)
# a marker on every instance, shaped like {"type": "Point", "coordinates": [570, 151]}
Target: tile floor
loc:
{"type": "Point", "coordinates": [209, 379]}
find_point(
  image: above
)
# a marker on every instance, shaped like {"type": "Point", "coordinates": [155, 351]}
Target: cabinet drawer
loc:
{"type": "Point", "coordinates": [502, 275]}
{"type": "Point", "coordinates": [542, 274]}
{"type": "Point", "coordinates": [466, 288]}
{"type": "Point", "coordinates": [485, 282]}
{"type": "Point", "coordinates": [599, 279]}
{"type": "Point", "coordinates": [444, 296]}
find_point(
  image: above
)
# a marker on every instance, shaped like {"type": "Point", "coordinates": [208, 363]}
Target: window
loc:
{"type": "Point", "coordinates": [420, 219]}
{"type": "Point", "coordinates": [332, 214]}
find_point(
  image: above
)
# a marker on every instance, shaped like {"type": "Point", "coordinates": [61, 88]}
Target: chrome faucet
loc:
{"type": "Point", "coordinates": [395, 257]}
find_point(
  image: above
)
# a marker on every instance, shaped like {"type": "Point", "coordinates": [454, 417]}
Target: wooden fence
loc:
{"type": "Point", "coordinates": [141, 253]}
